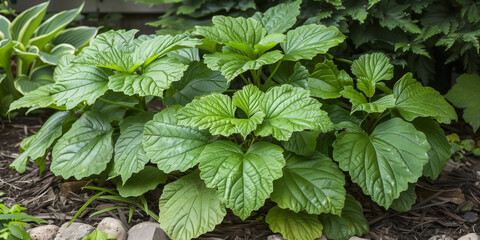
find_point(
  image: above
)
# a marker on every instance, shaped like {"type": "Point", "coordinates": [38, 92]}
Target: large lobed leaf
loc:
{"type": "Point", "coordinates": [466, 94]}
{"type": "Point", "coordinates": [170, 146]}
{"type": "Point", "coordinates": [244, 180]}
{"type": "Point", "coordinates": [350, 223]}
{"type": "Point", "coordinates": [326, 81]}
{"type": "Point", "coordinates": [384, 162]}
{"type": "Point", "coordinates": [188, 208]}
{"type": "Point", "coordinates": [279, 18]}
{"type": "Point", "coordinates": [307, 41]}
{"type": "Point", "coordinates": [288, 109]}
{"type": "Point", "coordinates": [39, 144]}
{"type": "Point", "coordinates": [312, 184]}
{"type": "Point", "coordinates": [414, 100]}
{"type": "Point", "coordinates": [370, 69]}
{"type": "Point", "coordinates": [293, 225]}
{"type": "Point", "coordinates": [85, 149]}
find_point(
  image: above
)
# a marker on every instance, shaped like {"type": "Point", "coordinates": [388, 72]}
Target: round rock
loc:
{"type": "Point", "coordinates": [76, 231]}
{"type": "Point", "coordinates": [147, 231]}
{"type": "Point", "coordinates": [47, 232]}
{"type": "Point", "coordinates": [113, 227]}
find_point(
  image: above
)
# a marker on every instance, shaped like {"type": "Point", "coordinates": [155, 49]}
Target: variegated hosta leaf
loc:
{"type": "Point", "coordinates": [384, 162]}
{"type": "Point", "coordinates": [156, 77]}
{"type": "Point", "coordinates": [370, 69]}
{"type": "Point", "coordinates": [171, 146]}
{"type": "Point", "coordinates": [414, 100]}
{"type": "Point", "coordinates": [293, 225]}
{"type": "Point", "coordinates": [312, 184]}
{"type": "Point", "coordinates": [244, 180]}
{"type": "Point", "coordinates": [288, 109]}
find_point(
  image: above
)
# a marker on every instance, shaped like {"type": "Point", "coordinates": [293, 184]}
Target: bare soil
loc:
{"type": "Point", "coordinates": [447, 206]}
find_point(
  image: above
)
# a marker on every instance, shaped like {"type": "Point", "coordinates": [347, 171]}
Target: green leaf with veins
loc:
{"type": "Point", "coordinates": [197, 80]}
{"type": "Point", "coordinates": [156, 77]}
{"type": "Point", "coordinates": [189, 209]}
{"type": "Point", "coordinates": [279, 18]}
{"type": "Point", "coordinates": [244, 180]}
{"type": "Point", "coordinates": [171, 146]}
{"type": "Point", "coordinates": [98, 235]}
{"type": "Point", "coordinates": [130, 156]}
{"type": "Point", "coordinates": [288, 109]}
{"type": "Point", "coordinates": [384, 162]}
{"type": "Point", "coordinates": [370, 69]}
{"type": "Point", "coordinates": [406, 200]}
{"type": "Point", "coordinates": [216, 112]}
{"type": "Point", "coordinates": [350, 223]}
{"type": "Point", "coordinates": [80, 82]}
{"type": "Point", "coordinates": [139, 183]}
{"type": "Point", "coordinates": [40, 97]}
{"type": "Point", "coordinates": [114, 112]}
{"type": "Point", "coordinates": [414, 100]}
{"type": "Point", "coordinates": [292, 73]}
{"type": "Point", "coordinates": [312, 184]}
{"type": "Point", "coordinates": [111, 49]}
{"type": "Point", "coordinates": [232, 64]}
{"type": "Point", "coordinates": [151, 49]}
{"type": "Point", "coordinates": [441, 149]}
{"type": "Point", "coordinates": [466, 94]}
{"type": "Point", "coordinates": [326, 81]}
{"type": "Point", "coordinates": [302, 143]}
{"type": "Point", "coordinates": [39, 144]}
{"type": "Point", "coordinates": [293, 225]}
{"type": "Point", "coordinates": [360, 102]}
{"type": "Point", "coordinates": [307, 41]}
{"type": "Point", "coordinates": [85, 149]}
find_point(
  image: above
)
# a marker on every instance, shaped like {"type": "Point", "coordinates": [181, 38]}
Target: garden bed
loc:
{"type": "Point", "coordinates": [447, 206]}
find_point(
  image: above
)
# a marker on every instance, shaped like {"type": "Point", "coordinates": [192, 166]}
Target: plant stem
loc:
{"type": "Point", "coordinates": [344, 105]}
{"type": "Point", "coordinates": [380, 117]}
{"type": "Point", "coordinates": [142, 102]}
{"type": "Point", "coordinates": [119, 104]}
{"type": "Point", "coordinates": [274, 70]}
{"type": "Point", "coordinates": [11, 83]}
{"type": "Point", "coordinates": [244, 79]}
{"type": "Point", "coordinates": [343, 60]}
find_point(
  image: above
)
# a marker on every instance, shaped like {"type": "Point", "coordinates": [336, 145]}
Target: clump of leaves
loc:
{"type": "Point", "coordinates": [256, 110]}
{"type": "Point", "coordinates": [11, 221]}
{"type": "Point", "coordinates": [466, 94]}
{"type": "Point", "coordinates": [30, 47]}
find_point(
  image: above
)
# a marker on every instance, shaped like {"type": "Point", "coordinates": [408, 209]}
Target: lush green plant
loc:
{"type": "Point", "coordinates": [98, 235]}
{"type": "Point", "coordinates": [11, 221]}
{"type": "Point", "coordinates": [261, 113]}
{"type": "Point", "coordinates": [31, 47]}
{"type": "Point", "coordinates": [466, 94]}
{"type": "Point", "coordinates": [421, 36]}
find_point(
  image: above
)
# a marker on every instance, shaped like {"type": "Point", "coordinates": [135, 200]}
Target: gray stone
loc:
{"type": "Point", "coordinates": [470, 236]}
{"type": "Point", "coordinates": [47, 232]}
{"type": "Point", "coordinates": [440, 237]}
{"type": "Point", "coordinates": [357, 238]}
{"type": "Point", "coordinates": [275, 237]}
{"type": "Point", "coordinates": [114, 227]}
{"type": "Point", "coordinates": [76, 231]}
{"type": "Point", "coordinates": [147, 231]}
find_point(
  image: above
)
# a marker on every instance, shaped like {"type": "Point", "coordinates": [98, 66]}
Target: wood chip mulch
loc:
{"type": "Point", "coordinates": [447, 206]}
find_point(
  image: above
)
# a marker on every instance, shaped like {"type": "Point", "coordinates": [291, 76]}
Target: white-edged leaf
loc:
{"type": "Point", "coordinates": [25, 24]}
{"type": "Point", "coordinates": [77, 36]}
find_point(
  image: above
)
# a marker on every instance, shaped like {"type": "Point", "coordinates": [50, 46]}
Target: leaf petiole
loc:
{"type": "Point", "coordinates": [274, 70]}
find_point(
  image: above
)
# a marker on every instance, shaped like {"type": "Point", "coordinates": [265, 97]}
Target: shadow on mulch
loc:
{"type": "Point", "coordinates": [449, 205]}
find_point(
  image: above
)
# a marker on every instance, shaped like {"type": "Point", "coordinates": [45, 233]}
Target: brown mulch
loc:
{"type": "Point", "coordinates": [447, 206]}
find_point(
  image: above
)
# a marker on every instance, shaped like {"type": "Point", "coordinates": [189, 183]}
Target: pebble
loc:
{"type": "Point", "coordinates": [147, 231]}
{"type": "Point", "coordinates": [357, 238]}
{"type": "Point", "coordinates": [47, 232]}
{"type": "Point", "coordinates": [114, 227]}
{"type": "Point", "coordinates": [76, 231]}
{"type": "Point", "coordinates": [441, 237]}
{"type": "Point", "coordinates": [470, 236]}
{"type": "Point", "coordinates": [275, 237]}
